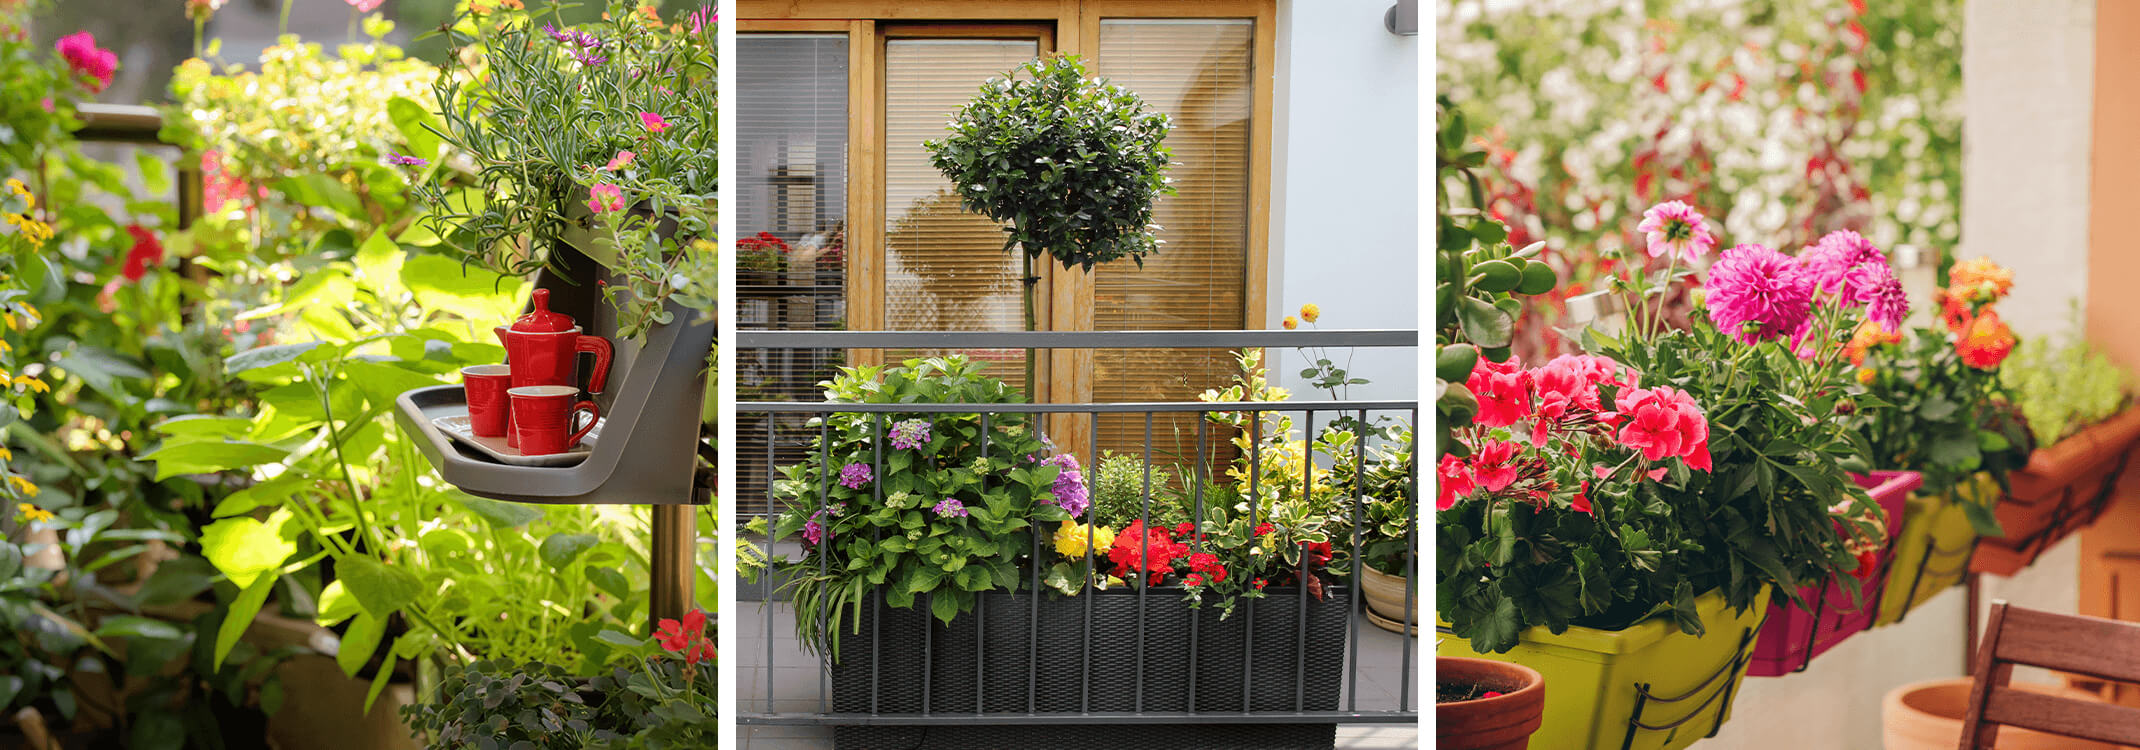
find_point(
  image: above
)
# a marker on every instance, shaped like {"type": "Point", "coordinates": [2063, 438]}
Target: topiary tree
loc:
{"type": "Point", "coordinates": [1071, 165]}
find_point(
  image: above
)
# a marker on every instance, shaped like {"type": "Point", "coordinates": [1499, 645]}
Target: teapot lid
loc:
{"type": "Point", "coordinates": [541, 320]}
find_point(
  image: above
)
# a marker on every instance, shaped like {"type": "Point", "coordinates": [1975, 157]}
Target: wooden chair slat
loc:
{"type": "Point", "coordinates": [2105, 649]}
{"type": "Point", "coordinates": [2102, 722]}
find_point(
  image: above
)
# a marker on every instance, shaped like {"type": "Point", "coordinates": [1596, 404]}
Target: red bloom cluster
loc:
{"type": "Point", "coordinates": [147, 251]}
{"type": "Point", "coordinates": [1138, 549]}
{"type": "Point", "coordinates": [1207, 563]}
{"type": "Point", "coordinates": [687, 637]}
{"type": "Point", "coordinates": [1973, 286]}
{"type": "Point", "coordinates": [762, 242]}
{"type": "Point", "coordinates": [1664, 422]}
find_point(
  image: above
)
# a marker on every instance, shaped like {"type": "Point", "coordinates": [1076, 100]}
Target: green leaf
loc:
{"type": "Point", "coordinates": [322, 191]}
{"type": "Point", "coordinates": [240, 616]}
{"type": "Point", "coordinates": [266, 356]}
{"type": "Point", "coordinates": [1982, 519]}
{"type": "Point", "coordinates": [210, 456]}
{"type": "Point", "coordinates": [135, 626]}
{"type": "Point", "coordinates": [379, 588]}
{"type": "Point", "coordinates": [174, 581]}
{"type": "Point", "coordinates": [245, 549]}
{"type": "Point", "coordinates": [382, 383]}
{"type": "Point", "coordinates": [1484, 324]}
{"type": "Point", "coordinates": [336, 604]}
{"type": "Point", "coordinates": [358, 643]}
{"type": "Point", "coordinates": [419, 126]}
{"type": "Point", "coordinates": [620, 638]}
{"type": "Point", "coordinates": [499, 513]}
{"type": "Point", "coordinates": [559, 550]}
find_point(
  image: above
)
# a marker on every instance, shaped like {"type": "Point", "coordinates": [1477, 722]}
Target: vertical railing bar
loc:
{"type": "Point", "coordinates": [980, 611]}
{"type": "Point", "coordinates": [824, 499]}
{"type": "Point", "coordinates": [1411, 544]}
{"type": "Point", "coordinates": [1085, 684]}
{"type": "Point", "coordinates": [928, 647]}
{"type": "Point", "coordinates": [1196, 528]}
{"type": "Point", "coordinates": [1032, 631]}
{"type": "Point", "coordinates": [876, 537]}
{"type": "Point", "coordinates": [1359, 566]}
{"type": "Point", "coordinates": [767, 604]}
{"type": "Point", "coordinates": [1300, 639]}
{"type": "Point", "coordinates": [1142, 613]}
{"type": "Point", "coordinates": [1248, 608]}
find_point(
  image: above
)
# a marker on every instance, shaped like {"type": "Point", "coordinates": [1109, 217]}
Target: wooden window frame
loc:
{"type": "Point", "coordinates": [1066, 373]}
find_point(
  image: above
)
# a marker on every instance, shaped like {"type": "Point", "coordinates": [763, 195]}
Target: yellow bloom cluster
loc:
{"type": "Point", "coordinates": [22, 486]}
{"type": "Point", "coordinates": [1070, 540]}
{"type": "Point", "coordinates": [33, 513]}
{"type": "Point", "coordinates": [33, 230]}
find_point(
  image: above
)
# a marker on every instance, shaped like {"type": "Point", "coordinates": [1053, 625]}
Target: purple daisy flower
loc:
{"type": "Point", "coordinates": [1069, 489]}
{"type": "Point", "coordinates": [591, 59]}
{"type": "Point", "coordinates": [910, 434]}
{"type": "Point", "coordinates": [1673, 227]}
{"type": "Point", "coordinates": [555, 35]}
{"type": "Point", "coordinates": [854, 475]}
{"type": "Point", "coordinates": [1756, 294]}
{"type": "Point", "coordinates": [951, 507]}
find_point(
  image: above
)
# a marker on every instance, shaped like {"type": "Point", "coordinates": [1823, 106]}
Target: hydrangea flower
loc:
{"type": "Point", "coordinates": [951, 507]}
{"type": "Point", "coordinates": [1676, 228]}
{"type": "Point", "coordinates": [1756, 294]}
{"type": "Point", "coordinates": [854, 475]}
{"type": "Point", "coordinates": [1069, 489]}
{"type": "Point", "coordinates": [910, 434]}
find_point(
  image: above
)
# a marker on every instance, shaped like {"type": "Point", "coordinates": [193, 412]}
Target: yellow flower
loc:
{"type": "Point", "coordinates": [1866, 375]}
{"type": "Point", "coordinates": [15, 186]}
{"type": "Point", "coordinates": [5, 347]}
{"type": "Point", "coordinates": [1070, 540]}
{"type": "Point", "coordinates": [25, 381]}
{"type": "Point", "coordinates": [32, 512]}
{"type": "Point", "coordinates": [1309, 312]}
{"type": "Point", "coordinates": [9, 319]}
{"type": "Point", "coordinates": [1981, 273]}
{"type": "Point", "coordinates": [22, 486]}
{"type": "Point", "coordinates": [1291, 323]}
{"type": "Point", "coordinates": [5, 454]}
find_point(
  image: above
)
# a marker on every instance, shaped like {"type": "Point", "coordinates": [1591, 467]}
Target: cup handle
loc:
{"type": "Point", "coordinates": [599, 347]}
{"type": "Point", "coordinates": [594, 416]}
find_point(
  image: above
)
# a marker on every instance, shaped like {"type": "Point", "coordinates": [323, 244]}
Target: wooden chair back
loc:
{"type": "Point", "coordinates": [2092, 646]}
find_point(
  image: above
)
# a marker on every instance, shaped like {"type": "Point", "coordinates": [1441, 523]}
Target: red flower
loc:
{"type": "Point", "coordinates": [1581, 503]}
{"type": "Point", "coordinates": [1205, 562]}
{"type": "Point", "coordinates": [1493, 465]}
{"type": "Point", "coordinates": [1665, 423]}
{"type": "Point", "coordinates": [1455, 480]}
{"type": "Point", "coordinates": [677, 636]}
{"type": "Point", "coordinates": [1260, 583]}
{"type": "Point", "coordinates": [1263, 528]}
{"type": "Point", "coordinates": [1985, 341]}
{"type": "Point", "coordinates": [1867, 560]}
{"type": "Point", "coordinates": [700, 651]}
{"type": "Point", "coordinates": [1318, 553]}
{"type": "Point", "coordinates": [87, 59]}
{"type": "Point", "coordinates": [1184, 529]}
{"type": "Point", "coordinates": [1503, 390]}
{"type": "Point", "coordinates": [147, 251]}
{"type": "Point", "coordinates": [1141, 550]}
{"type": "Point", "coordinates": [1193, 579]}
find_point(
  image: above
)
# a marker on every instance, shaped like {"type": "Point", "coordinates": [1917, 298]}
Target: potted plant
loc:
{"type": "Point", "coordinates": [1385, 533]}
{"type": "Point", "coordinates": [760, 259]}
{"type": "Point", "coordinates": [2075, 401]}
{"type": "Point", "coordinates": [598, 137]}
{"type": "Point", "coordinates": [1944, 413]}
{"type": "Point", "coordinates": [1482, 704]}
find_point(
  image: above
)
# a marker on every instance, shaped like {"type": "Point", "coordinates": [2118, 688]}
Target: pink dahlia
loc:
{"type": "Point", "coordinates": [1503, 390]}
{"type": "Point", "coordinates": [1664, 422]}
{"type": "Point", "coordinates": [1831, 260]}
{"type": "Point", "coordinates": [82, 54]}
{"type": "Point", "coordinates": [1757, 294]}
{"type": "Point", "coordinates": [1675, 227]}
{"type": "Point", "coordinates": [1876, 287]}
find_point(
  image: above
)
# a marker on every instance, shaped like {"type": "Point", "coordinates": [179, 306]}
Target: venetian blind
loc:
{"type": "Point", "coordinates": [945, 268]}
{"type": "Point", "coordinates": [1200, 73]}
{"type": "Point", "coordinates": [791, 156]}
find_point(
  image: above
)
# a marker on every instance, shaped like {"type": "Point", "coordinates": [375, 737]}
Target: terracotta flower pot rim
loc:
{"type": "Point", "coordinates": [1534, 683]}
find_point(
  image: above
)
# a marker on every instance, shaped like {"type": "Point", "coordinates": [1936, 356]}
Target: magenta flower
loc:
{"type": "Point", "coordinates": [854, 475]}
{"type": "Point", "coordinates": [623, 159]}
{"type": "Point", "coordinates": [555, 35]}
{"type": "Point", "coordinates": [1756, 294]}
{"type": "Point", "coordinates": [606, 198]}
{"type": "Point", "coordinates": [1503, 390]}
{"type": "Point", "coordinates": [82, 54]}
{"type": "Point", "coordinates": [1881, 294]}
{"type": "Point", "coordinates": [653, 122]}
{"type": "Point", "coordinates": [365, 6]}
{"type": "Point", "coordinates": [702, 19]}
{"type": "Point", "coordinates": [1675, 227]}
{"type": "Point", "coordinates": [406, 161]}
{"type": "Point", "coordinates": [951, 507]}
{"type": "Point", "coordinates": [910, 434]}
{"type": "Point", "coordinates": [1830, 262]}
{"type": "Point", "coordinates": [591, 59]}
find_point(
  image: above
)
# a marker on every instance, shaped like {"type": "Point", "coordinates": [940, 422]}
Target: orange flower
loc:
{"type": "Point", "coordinates": [1985, 341]}
{"type": "Point", "coordinates": [1980, 275]}
{"type": "Point", "coordinates": [1867, 375]}
{"type": "Point", "coordinates": [1868, 336]}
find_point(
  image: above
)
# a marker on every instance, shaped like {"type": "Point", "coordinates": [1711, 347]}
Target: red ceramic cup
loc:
{"type": "Point", "coordinates": [542, 417]}
{"type": "Point", "coordinates": [487, 403]}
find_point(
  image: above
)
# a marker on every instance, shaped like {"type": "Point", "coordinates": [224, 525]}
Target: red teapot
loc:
{"type": "Point", "coordinates": [543, 348]}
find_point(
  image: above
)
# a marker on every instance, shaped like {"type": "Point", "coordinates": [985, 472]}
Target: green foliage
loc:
{"type": "Point", "coordinates": [1381, 480]}
{"type": "Point", "coordinates": [1118, 484]}
{"type": "Point", "coordinates": [1071, 164]}
{"type": "Point", "coordinates": [493, 703]}
{"type": "Point", "coordinates": [2065, 385]}
{"type": "Point", "coordinates": [1934, 415]}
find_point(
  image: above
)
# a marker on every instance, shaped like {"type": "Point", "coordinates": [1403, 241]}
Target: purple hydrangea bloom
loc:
{"type": "Point", "coordinates": [951, 507]}
{"type": "Point", "coordinates": [1069, 487]}
{"type": "Point", "coordinates": [813, 532]}
{"type": "Point", "coordinates": [909, 434]}
{"type": "Point", "coordinates": [854, 475]}
{"type": "Point", "coordinates": [1757, 294]}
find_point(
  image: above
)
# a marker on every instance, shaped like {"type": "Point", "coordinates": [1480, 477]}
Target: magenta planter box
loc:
{"type": "Point", "coordinates": [1792, 636]}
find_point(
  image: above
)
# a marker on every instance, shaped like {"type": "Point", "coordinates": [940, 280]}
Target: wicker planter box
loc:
{"type": "Point", "coordinates": [984, 663]}
{"type": "Point", "coordinates": [2061, 490]}
{"type": "Point", "coordinates": [1792, 636]}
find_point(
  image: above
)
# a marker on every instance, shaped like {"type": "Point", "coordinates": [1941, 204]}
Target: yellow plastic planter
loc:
{"type": "Point", "coordinates": [1933, 551]}
{"type": "Point", "coordinates": [1596, 679]}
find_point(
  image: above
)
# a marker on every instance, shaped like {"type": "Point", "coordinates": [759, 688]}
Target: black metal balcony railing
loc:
{"type": "Point", "coordinates": [1000, 666]}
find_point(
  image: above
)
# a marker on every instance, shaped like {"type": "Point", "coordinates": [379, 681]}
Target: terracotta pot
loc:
{"type": "Point", "coordinates": [1502, 722]}
{"type": "Point", "coordinates": [1385, 598]}
{"type": "Point", "coordinates": [1928, 716]}
{"type": "Point", "coordinates": [2063, 479]}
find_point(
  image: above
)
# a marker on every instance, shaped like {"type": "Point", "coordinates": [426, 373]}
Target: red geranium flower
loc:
{"type": "Point", "coordinates": [146, 251]}
{"type": "Point", "coordinates": [677, 636]}
{"type": "Point", "coordinates": [1264, 528]}
{"type": "Point", "coordinates": [1145, 550]}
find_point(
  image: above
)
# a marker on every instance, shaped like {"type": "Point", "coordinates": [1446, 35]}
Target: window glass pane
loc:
{"type": "Point", "coordinates": [1199, 73]}
{"type": "Point", "coordinates": [791, 207]}
{"type": "Point", "coordinates": [945, 268]}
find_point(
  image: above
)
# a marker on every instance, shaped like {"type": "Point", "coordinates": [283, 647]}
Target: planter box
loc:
{"type": "Point", "coordinates": [2060, 490]}
{"type": "Point", "coordinates": [1933, 551]}
{"type": "Point", "coordinates": [985, 662]}
{"type": "Point", "coordinates": [1792, 636]}
{"type": "Point", "coordinates": [1648, 687]}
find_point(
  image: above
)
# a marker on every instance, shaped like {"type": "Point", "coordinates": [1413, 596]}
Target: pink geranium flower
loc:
{"type": "Point", "coordinates": [605, 198]}
{"type": "Point", "coordinates": [1454, 480]}
{"type": "Point", "coordinates": [1756, 294]}
{"type": "Point", "coordinates": [82, 54]}
{"type": "Point", "coordinates": [1664, 422]}
{"type": "Point", "coordinates": [1673, 227]}
{"type": "Point", "coordinates": [653, 122]}
{"type": "Point", "coordinates": [1493, 466]}
{"type": "Point", "coordinates": [1503, 390]}
{"type": "Point", "coordinates": [1568, 385]}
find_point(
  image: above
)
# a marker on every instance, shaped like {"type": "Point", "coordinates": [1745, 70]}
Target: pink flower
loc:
{"type": "Point", "coordinates": [1756, 294]}
{"type": "Point", "coordinates": [1581, 502]}
{"type": "Point", "coordinates": [1503, 390]}
{"type": "Point", "coordinates": [1568, 385]}
{"type": "Point", "coordinates": [82, 54]}
{"type": "Point", "coordinates": [653, 122]}
{"type": "Point", "coordinates": [1881, 293]}
{"type": "Point", "coordinates": [1675, 227]}
{"type": "Point", "coordinates": [1493, 465]}
{"type": "Point", "coordinates": [622, 160]}
{"type": "Point", "coordinates": [1664, 422]}
{"type": "Point", "coordinates": [1831, 260]}
{"type": "Point", "coordinates": [606, 198]}
{"type": "Point", "coordinates": [365, 6]}
{"type": "Point", "coordinates": [1453, 480]}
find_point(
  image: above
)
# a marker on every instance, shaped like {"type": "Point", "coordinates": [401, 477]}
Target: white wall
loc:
{"type": "Point", "coordinates": [1345, 183]}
